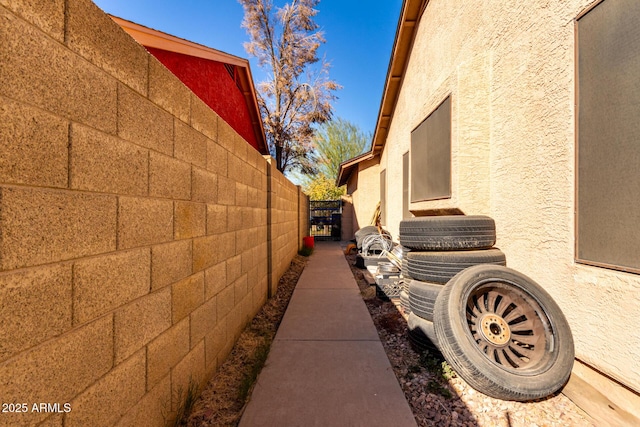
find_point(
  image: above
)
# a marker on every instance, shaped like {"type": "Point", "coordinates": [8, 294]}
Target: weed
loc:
{"type": "Point", "coordinates": [435, 387]}
{"type": "Point", "coordinates": [447, 372]}
{"type": "Point", "coordinates": [414, 369]}
{"type": "Point", "coordinates": [185, 400]}
{"type": "Point", "coordinates": [256, 364]}
{"type": "Point", "coordinates": [305, 251]}
{"type": "Point", "coordinates": [442, 371]}
{"type": "Point", "coordinates": [429, 361]}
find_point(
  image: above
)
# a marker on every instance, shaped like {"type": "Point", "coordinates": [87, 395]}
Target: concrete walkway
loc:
{"type": "Point", "coordinates": [327, 366]}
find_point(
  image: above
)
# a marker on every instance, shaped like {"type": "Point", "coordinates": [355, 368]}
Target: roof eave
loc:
{"type": "Point", "coordinates": [346, 167]}
{"type": "Point", "coordinates": [251, 98]}
{"type": "Point", "coordinates": [157, 39]}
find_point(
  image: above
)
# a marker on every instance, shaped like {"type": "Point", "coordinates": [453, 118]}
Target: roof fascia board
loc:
{"type": "Point", "coordinates": [347, 166]}
{"type": "Point", "coordinates": [156, 39]}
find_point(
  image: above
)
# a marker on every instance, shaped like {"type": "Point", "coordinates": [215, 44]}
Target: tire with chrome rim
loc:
{"type": "Point", "coordinates": [503, 333]}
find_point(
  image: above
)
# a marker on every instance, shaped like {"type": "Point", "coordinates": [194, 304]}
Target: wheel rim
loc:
{"type": "Point", "coordinates": [510, 328]}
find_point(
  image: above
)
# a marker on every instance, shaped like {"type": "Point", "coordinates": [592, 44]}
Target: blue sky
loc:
{"type": "Point", "coordinates": [359, 40]}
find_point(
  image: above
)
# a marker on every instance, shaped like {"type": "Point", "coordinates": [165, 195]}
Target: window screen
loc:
{"type": "Point", "coordinates": [608, 156]}
{"type": "Point", "coordinates": [431, 156]}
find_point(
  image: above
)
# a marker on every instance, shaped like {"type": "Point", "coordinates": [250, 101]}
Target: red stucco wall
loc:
{"type": "Point", "coordinates": [211, 81]}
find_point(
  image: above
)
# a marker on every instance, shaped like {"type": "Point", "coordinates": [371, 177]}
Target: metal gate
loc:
{"type": "Point", "coordinates": [325, 219]}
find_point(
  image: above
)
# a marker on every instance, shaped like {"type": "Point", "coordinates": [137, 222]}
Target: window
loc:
{"type": "Point", "coordinates": [405, 186]}
{"type": "Point", "coordinates": [431, 156]}
{"type": "Point", "coordinates": [608, 136]}
{"type": "Point", "coordinates": [383, 197]}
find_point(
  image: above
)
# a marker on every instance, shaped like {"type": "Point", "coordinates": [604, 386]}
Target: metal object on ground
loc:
{"type": "Point", "coordinates": [373, 243]}
{"type": "Point", "coordinates": [389, 286]}
{"type": "Point", "coordinates": [387, 268]}
{"type": "Point", "coordinates": [395, 256]}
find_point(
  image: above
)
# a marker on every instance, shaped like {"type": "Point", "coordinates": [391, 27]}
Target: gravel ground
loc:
{"type": "Point", "coordinates": [437, 397]}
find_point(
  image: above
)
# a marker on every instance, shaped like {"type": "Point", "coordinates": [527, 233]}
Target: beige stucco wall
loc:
{"type": "Point", "coordinates": [364, 187]}
{"type": "Point", "coordinates": [347, 219]}
{"type": "Point", "coordinates": [133, 219]}
{"type": "Point", "coordinates": [509, 68]}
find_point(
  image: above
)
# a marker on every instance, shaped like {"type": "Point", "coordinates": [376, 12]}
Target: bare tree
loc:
{"type": "Point", "coordinates": [295, 96]}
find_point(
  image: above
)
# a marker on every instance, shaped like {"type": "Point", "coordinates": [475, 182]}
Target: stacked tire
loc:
{"type": "Point", "coordinates": [404, 282]}
{"type": "Point", "coordinates": [440, 247]}
{"type": "Point", "coordinates": [498, 329]}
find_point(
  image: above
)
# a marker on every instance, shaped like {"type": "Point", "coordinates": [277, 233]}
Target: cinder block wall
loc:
{"type": "Point", "coordinates": [133, 224]}
{"type": "Point", "coordinates": [284, 227]}
{"type": "Point", "coordinates": [304, 216]}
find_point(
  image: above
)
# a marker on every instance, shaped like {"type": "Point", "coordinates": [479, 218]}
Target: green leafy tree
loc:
{"type": "Point", "coordinates": [322, 187]}
{"type": "Point", "coordinates": [336, 141]}
{"type": "Point", "coordinates": [296, 96]}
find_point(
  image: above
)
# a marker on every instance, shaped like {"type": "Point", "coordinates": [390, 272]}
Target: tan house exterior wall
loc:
{"type": "Point", "coordinates": [364, 188]}
{"type": "Point", "coordinates": [133, 224]}
{"type": "Point", "coordinates": [509, 68]}
{"type": "Point", "coordinates": [347, 231]}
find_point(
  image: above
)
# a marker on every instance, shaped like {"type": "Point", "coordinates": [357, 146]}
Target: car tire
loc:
{"type": "Point", "coordinates": [422, 298]}
{"type": "Point", "coordinates": [441, 266]}
{"type": "Point", "coordinates": [404, 302]}
{"type": "Point", "coordinates": [503, 333]}
{"type": "Point", "coordinates": [449, 232]}
{"type": "Point", "coordinates": [422, 333]}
